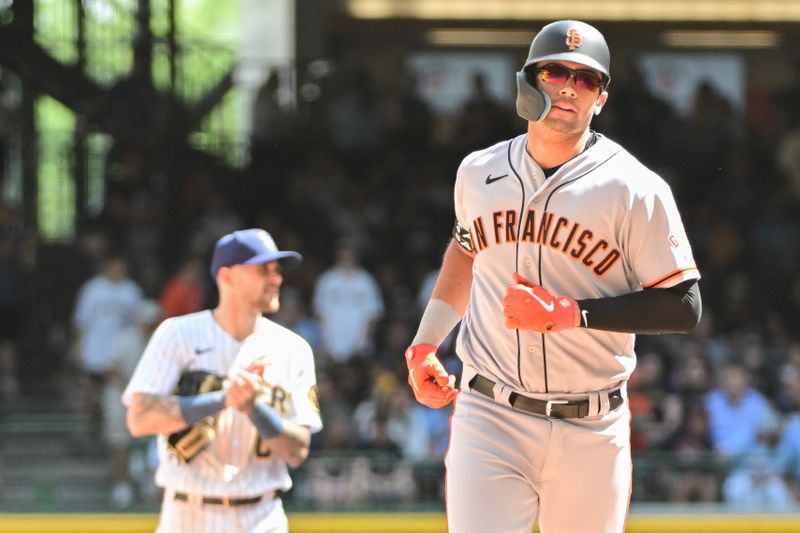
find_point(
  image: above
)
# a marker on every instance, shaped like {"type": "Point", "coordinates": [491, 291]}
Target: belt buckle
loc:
{"type": "Point", "coordinates": [551, 403]}
{"type": "Point", "coordinates": [226, 501]}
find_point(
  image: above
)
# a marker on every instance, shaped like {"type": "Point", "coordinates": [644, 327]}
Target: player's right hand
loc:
{"type": "Point", "coordinates": [241, 388]}
{"type": "Point", "coordinates": [429, 380]}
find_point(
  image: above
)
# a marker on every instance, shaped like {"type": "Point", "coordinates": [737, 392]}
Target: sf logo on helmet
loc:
{"type": "Point", "coordinates": [574, 39]}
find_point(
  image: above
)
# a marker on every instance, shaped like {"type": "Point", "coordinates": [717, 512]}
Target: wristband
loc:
{"type": "Point", "coordinates": [437, 322]}
{"type": "Point", "coordinates": [196, 408]}
{"type": "Point", "coordinates": [268, 423]}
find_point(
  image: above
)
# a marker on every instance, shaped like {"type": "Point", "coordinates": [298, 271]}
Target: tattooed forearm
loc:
{"type": "Point", "coordinates": [149, 414]}
{"type": "Point", "coordinates": [166, 406]}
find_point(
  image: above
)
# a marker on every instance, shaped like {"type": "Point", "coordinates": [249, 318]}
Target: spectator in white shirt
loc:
{"type": "Point", "coordinates": [107, 304]}
{"type": "Point", "coordinates": [348, 303]}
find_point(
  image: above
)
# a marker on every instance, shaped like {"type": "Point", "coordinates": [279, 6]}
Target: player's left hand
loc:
{"type": "Point", "coordinates": [529, 306]}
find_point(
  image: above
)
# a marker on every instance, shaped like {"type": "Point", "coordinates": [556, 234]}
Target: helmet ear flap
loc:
{"type": "Point", "coordinates": [532, 104]}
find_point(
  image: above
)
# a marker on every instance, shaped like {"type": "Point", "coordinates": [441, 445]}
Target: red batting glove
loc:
{"type": "Point", "coordinates": [429, 380]}
{"type": "Point", "coordinates": [529, 306]}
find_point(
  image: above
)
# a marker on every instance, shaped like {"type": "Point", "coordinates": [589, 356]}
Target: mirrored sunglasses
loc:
{"type": "Point", "coordinates": [558, 75]}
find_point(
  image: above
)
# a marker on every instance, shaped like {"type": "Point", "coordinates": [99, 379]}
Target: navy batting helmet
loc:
{"type": "Point", "coordinates": [563, 40]}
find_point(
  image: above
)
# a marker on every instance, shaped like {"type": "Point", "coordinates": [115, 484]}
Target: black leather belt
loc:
{"type": "Point", "coordinates": [226, 501]}
{"type": "Point", "coordinates": [548, 408]}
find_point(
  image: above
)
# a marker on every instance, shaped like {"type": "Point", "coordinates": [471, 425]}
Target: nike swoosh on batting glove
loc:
{"type": "Point", "coordinates": [529, 306]}
{"type": "Point", "coordinates": [429, 380]}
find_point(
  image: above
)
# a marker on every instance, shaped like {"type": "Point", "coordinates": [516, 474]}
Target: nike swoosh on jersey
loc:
{"type": "Point", "coordinates": [490, 179]}
{"type": "Point", "coordinates": [547, 307]}
{"type": "Point", "coordinates": [201, 351]}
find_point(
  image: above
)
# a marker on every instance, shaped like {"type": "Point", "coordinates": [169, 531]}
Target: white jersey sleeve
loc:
{"type": "Point", "coordinates": [305, 405]}
{"type": "Point", "coordinates": [656, 244]}
{"type": "Point", "coordinates": [461, 216]}
{"type": "Point", "coordinates": [465, 177]}
{"type": "Point", "coordinates": [160, 365]}
{"type": "Point", "coordinates": [463, 231]}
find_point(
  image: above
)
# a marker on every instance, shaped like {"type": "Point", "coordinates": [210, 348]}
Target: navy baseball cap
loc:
{"type": "Point", "coordinates": [248, 247]}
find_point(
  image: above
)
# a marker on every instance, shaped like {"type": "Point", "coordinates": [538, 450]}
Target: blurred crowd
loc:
{"type": "Point", "coordinates": [360, 183]}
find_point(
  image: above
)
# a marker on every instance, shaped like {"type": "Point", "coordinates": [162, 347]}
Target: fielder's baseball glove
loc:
{"type": "Point", "coordinates": [187, 443]}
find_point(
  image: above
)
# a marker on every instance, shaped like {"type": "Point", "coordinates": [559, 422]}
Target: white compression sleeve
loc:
{"type": "Point", "coordinates": [437, 321]}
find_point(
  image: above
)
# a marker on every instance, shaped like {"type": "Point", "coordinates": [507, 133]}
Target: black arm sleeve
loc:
{"type": "Point", "coordinates": [673, 310]}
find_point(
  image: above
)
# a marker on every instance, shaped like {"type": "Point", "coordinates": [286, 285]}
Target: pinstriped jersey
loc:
{"type": "Point", "coordinates": [237, 462]}
{"type": "Point", "coordinates": [602, 225]}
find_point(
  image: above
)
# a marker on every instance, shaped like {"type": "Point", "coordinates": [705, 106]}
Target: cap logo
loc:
{"type": "Point", "coordinates": [574, 39]}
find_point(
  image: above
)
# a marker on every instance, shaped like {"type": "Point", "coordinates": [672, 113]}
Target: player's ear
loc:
{"type": "Point", "coordinates": [600, 102]}
{"type": "Point", "coordinates": [224, 276]}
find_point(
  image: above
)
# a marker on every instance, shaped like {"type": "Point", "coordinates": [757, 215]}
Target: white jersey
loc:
{"type": "Point", "coordinates": [237, 463]}
{"type": "Point", "coordinates": [602, 225]}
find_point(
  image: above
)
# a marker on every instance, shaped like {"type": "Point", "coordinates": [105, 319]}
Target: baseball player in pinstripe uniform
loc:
{"type": "Point", "coordinates": [245, 404]}
{"type": "Point", "coordinates": [565, 246]}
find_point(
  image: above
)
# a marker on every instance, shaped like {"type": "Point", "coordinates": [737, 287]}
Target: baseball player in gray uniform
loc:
{"type": "Point", "coordinates": [232, 397]}
{"type": "Point", "coordinates": [565, 247]}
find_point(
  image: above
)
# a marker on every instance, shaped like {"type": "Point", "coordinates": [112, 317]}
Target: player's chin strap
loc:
{"type": "Point", "coordinates": [532, 104]}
